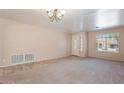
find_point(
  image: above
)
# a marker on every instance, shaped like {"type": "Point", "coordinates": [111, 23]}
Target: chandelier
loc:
{"type": "Point", "coordinates": [55, 14]}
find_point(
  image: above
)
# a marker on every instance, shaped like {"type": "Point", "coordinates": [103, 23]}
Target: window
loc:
{"type": "Point", "coordinates": [75, 44]}
{"type": "Point", "coordinates": [107, 42]}
{"type": "Point", "coordinates": [81, 43]}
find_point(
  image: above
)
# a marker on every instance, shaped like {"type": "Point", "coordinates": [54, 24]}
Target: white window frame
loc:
{"type": "Point", "coordinates": [75, 44]}
{"type": "Point", "coordinates": [99, 36]}
{"type": "Point", "coordinates": [81, 43]}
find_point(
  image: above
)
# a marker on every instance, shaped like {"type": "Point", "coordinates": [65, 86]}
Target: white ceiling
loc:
{"type": "Point", "coordinates": [74, 20]}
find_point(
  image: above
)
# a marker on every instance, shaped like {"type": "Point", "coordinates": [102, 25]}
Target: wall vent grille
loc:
{"type": "Point", "coordinates": [22, 58]}
{"type": "Point", "coordinates": [17, 59]}
{"type": "Point", "coordinates": [29, 57]}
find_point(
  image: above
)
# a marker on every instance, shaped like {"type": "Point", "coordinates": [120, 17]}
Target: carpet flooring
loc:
{"type": "Point", "coordinates": [68, 70]}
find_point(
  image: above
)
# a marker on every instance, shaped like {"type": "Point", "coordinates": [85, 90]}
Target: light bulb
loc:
{"type": "Point", "coordinates": [62, 12]}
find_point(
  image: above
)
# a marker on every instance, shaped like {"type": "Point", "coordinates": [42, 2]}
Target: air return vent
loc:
{"type": "Point", "coordinates": [29, 57]}
{"type": "Point", "coordinates": [17, 59]}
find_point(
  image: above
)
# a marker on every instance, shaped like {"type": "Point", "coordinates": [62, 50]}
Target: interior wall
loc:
{"type": "Point", "coordinates": [44, 43]}
{"type": "Point", "coordinates": [0, 46]}
{"type": "Point", "coordinates": [92, 52]}
{"type": "Point", "coordinates": [2, 28]}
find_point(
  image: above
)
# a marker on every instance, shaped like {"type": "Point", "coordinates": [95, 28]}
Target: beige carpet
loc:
{"type": "Point", "coordinates": [70, 70]}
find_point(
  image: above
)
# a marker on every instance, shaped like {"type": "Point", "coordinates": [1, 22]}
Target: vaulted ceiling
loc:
{"type": "Point", "coordinates": [74, 20]}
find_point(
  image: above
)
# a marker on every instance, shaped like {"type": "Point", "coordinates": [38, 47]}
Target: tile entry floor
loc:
{"type": "Point", "coordinates": [68, 70]}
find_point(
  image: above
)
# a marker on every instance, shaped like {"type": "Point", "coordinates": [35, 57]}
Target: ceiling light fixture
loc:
{"type": "Point", "coordinates": [55, 14]}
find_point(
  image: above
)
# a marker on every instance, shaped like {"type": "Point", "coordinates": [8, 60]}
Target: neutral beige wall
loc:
{"type": "Point", "coordinates": [2, 28]}
{"type": "Point", "coordinates": [44, 43]}
{"type": "Point", "coordinates": [0, 46]}
{"type": "Point", "coordinates": [92, 52]}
